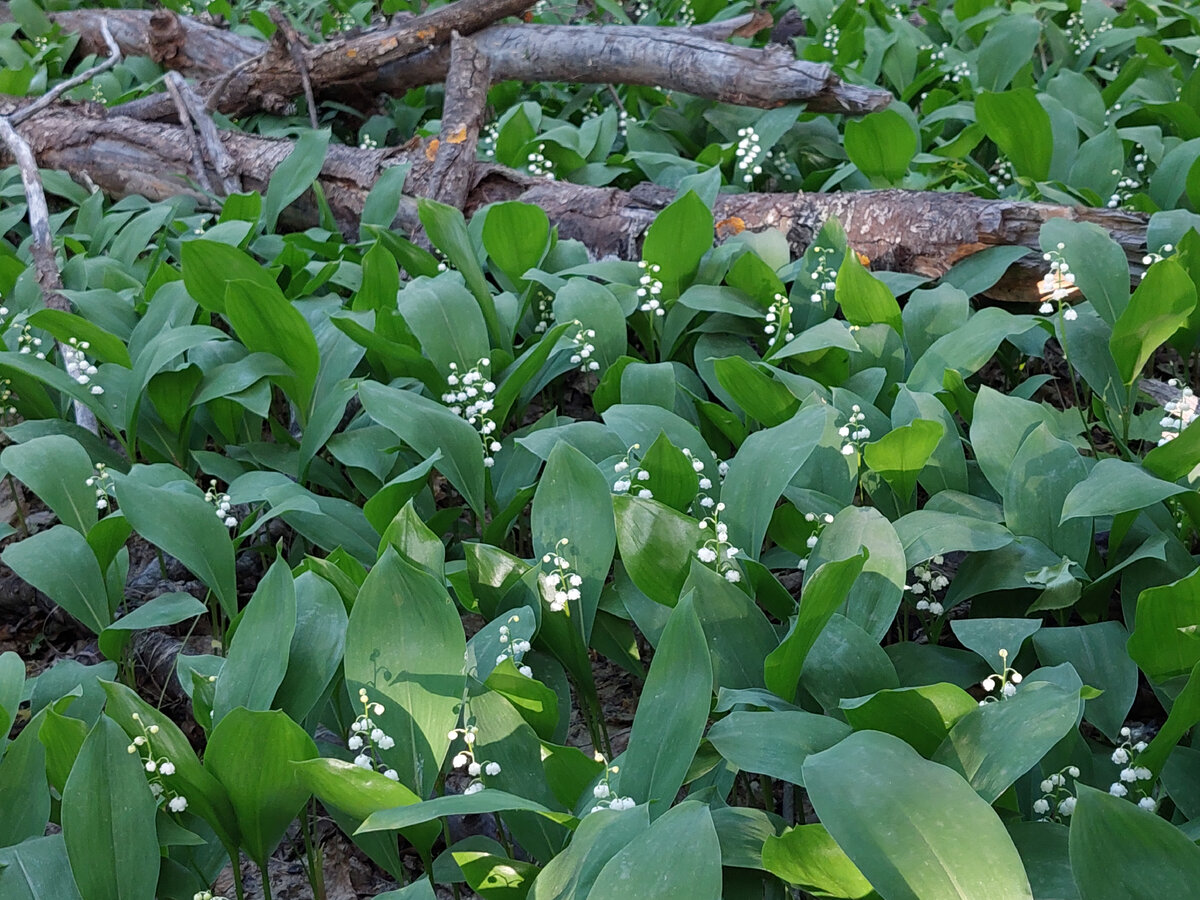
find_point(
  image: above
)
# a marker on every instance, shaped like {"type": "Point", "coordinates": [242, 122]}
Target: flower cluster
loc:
{"type": "Point", "coordinates": [1080, 38]}
{"type": "Point", "coordinates": [6, 395]}
{"type": "Point", "coordinates": [603, 792]}
{"type": "Point", "coordinates": [207, 895]}
{"type": "Point", "coordinates": [649, 288]}
{"type": "Point", "coordinates": [367, 143]}
{"type": "Point", "coordinates": [367, 738]}
{"type": "Point", "coordinates": [960, 71]}
{"type": "Point", "coordinates": [537, 164]}
{"type": "Point", "coordinates": [824, 275]}
{"type": "Point", "coordinates": [1007, 679]}
{"type": "Point", "coordinates": [584, 349]}
{"type": "Point", "coordinates": [102, 481]}
{"type": "Point", "coordinates": [1057, 285]}
{"type": "Point", "coordinates": [779, 321]}
{"type": "Point", "coordinates": [1133, 777]}
{"type": "Point", "coordinates": [157, 767]}
{"type": "Point", "coordinates": [705, 483]}
{"type": "Point", "coordinates": [466, 757]}
{"type": "Point", "coordinates": [77, 365]}
{"type": "Point", "coordinates": [747, 153]}
{"type": "Point", "coordinates": [1057, 799]}
{"type": "Point", "coordinates": [1111, 114]}
{"type": "Point", "coordinates": [488, 139]}
{"type": "Point", "coordinates": [830, 38]}
{"type": "Point", "coordinates": [224, 508]}
{"type": "Point", "coordinates": [516, 649]}
{"type": "Point", "coordinates": [1151, 258]}
{"type": "Point", "coordinates": [717, 549]}
{"type": "Point", "coordinates": [1180, 412]}
{"type": "Point", "coordinates": [1003, 174]}
{"type": "Point", "coordinates": [628, 471]}
{"type": "Point", "coordinates": [927, 584]}
{"type": "Point", "coordinates": [470, 396]}
{"type": "Point", "coordinates": [27, 343]}
{"type": "Point", "coordinates": [854, 432]}
{"type": "Point", "coordinates": [818, 522]}
{"type": "Point", "coordinates": [562, 582]}
{"type": "Point", "coordinates": [1123, 192]}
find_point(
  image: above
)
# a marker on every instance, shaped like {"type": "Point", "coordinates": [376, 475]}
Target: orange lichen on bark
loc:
{"type": "Point", "coordinates": [431, 149]}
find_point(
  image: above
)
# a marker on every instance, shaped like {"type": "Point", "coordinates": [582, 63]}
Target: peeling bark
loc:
{"type": "Point", "coordinates": [905, 231]}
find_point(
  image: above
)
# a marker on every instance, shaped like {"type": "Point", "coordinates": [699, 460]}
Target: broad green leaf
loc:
{"type": "Point", "coordinates": [759, 472]}
{"type": "Point", "coordinates": [317, 646]}
{"type": "Point", "coordinates": [738, 633]}
{"type": "Point", "coordinates": [677, 239]}
{"type": "Point", "coordinates": [165, 609]}
{"type": "Point", "coordinates": [965, 349]}
{"type": "Point", "coordinates": [258, 654]}
{"type": "Point", "coordinates": [678, 858]}
{"type": "Point", "coordinates": [405, 646]}
{"type": "Point", "coordinates": [846, 662]}
{"type": "Point", "coordinates": [657, 546]}
{"type": "Point", "coordinates": [1099, 263]}
{"type": "Point", "coordinates": [927, 533]}
{"type": "Point", "coordinates": [1121, 851]}
{"type": "Point", "coordinates": [873, 601]}
{"type": "Point", "coordinates": [987, 637]}
{"type": "Point", "coordinates": [1185, 712]}
{"type": "Point", "coordinates": [56, 468]}
{"type": "Point", "coordinates": [60, 564]}
{"type": "Point", "coordinates": [865, 299]}
{"type": "Point", "coordinates": [1158, 308]}
{"type": "Point", "coordinates": [267, 323]}
{"type": "Point", "coordinates": [12, 685]}
{"type": "Point", "coordinates": [886, 808]}
{"type": "Point", "coordinates": [495, 877]}
{"type": "Point", "coordinates": [671, 713]}
{"type": "Point", "coordinates": [446, 320]}
{"type": "Point", "coordinates": [1164, 642]}
{"type": "Point", "coordinates": [262, 782]}
{"type": "Point", "coordinates": [1043, 473]}
{"type": "Point", "coordinates": [448, 231]}
{"type": "Point", "coordinates": [415, 542]}
{"type": "Point", "coordinates": [881, 144]}
{"type": "Point", "coordinates": [1116, 486]}
{"type": "Point", "coordinates": [1020, 127]}
{"type": "Point", "coordinates": [429, 427]}
{"type": "Point", "coordinates": [184, 526]}
{"type": "Point", "coordinates": [1043, 849]}
{"type": "Point", "coordinates": [824, 592]}
{"type": "Point", "coordinates": [209, 267]}
{"type": "Point", "coordinates": [380, 281]}
{"type": "Point", "coordinates": [383, 202]}
{"type": "Point", "coordinates": [762, 397]}
{"type": "Point", "coordinates": [599, 837]}
{"type": "Point", "coordinates": [108, 819]}
{"type": "Point", "coordinates": [516, 236]}
{"type": "Point", "coordinates": [809, 858]}
{"type": "Point", "coordinates": [774, 743]}
{"type": "Point", "coordinates": [920, 716]}
{"type": "Point", "coordinates": [982, 747]}
{"type": "Point", "coordinates": [37, 869]}
{"type": "Point", "coordinates": [979, 271]}
{"type": "Point", "coordinates": [294, 175]}
{"type": "Point", "coordinates": [899, 456]}
{"type": "Point", "coordinates": [1005, 49]}
{"type": "Point", "coordinates": [1098, 654]}
{"type": "Point", "coordinates": [24, 788]}
{"type": "Point", "coordinates": [488, 800]}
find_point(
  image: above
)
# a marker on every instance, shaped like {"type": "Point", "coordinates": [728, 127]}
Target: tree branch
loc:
{"type": "Point", "coordinates": [466, 99]}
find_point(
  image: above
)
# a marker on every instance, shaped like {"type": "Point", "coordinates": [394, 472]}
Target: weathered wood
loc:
{"type": "Point", "coordinates": [906, 231]}
{"type": "Point", "coordinates": [465, 107]}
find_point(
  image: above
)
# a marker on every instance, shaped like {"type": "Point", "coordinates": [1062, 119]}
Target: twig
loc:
{"type": "Point", "coordinates": [213, 102]}
{"type": "Point", "coordinates": [291, 40]}
{"type": "Point", "coordinates": [210, 141]}
{"type": "Point", "coordinates": [42, 244]}
{"type": "Point", "coordinates": [172, 81]}
{"type": "Point", "coordinates": [114, 57]}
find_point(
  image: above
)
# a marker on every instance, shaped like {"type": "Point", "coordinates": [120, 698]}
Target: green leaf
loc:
{"type": "Point", "coordinates": [1158, 308]}
{"type": "Point", "coordinates": [899, 456]}
{"type": "Point", "coordinates": [1020, 127]}
{"type": "Point", "coordinates": [1116, 486]}
{"type": "Point", "coordinates": [761, 396]}
{"type": "Point", "coordinates": [1098, 262]}
{"type": "Point", "coordinates": [294, 175]}
{"type": "Point", "coordinates": [12, 686]}
{"type": "Point", "coordinates": [488, 800]}
{"type": "Point", "coordinates": [383, 202]}
{"type": "Point", "coordinates": [23, 786]}
{"type": "Point", "coordinates": [1041, 476]}
{"type": "Point", "coordinates": [1098, 654]}
{"type": "Point", "coordinates": [760, 471]}
{"type": "Point", "coordinates": [448, 231]}
{"type": "Point", "coordinates": [774, 742]}
{"type": "Point", "coordinates": [1164, 642]}
{"type": "Point", "coordinates": [987, 637]}
{"type": "Point", "coordinates": [267, 323]}
{"type": "Point", "coordinates": [657, 546]}
{"type": "Point", "coordinates": [537, 704]}
{"type": "Point", "coordinates": [824, 592]}
{"type": "Point", "coordinates": [317, 646]}
{"type": "Point", "coordinates": [876, 595]}
{"type": "Point", "coordinates": [599, 837]}
{"type": "Point", "coordinates": [979, 271]}
{"type": "Point", "coordinates": [678, 858]}
{"type": "Point", "coordinates": [677, 239]}
{"type": "Point", "coordinates": [846, 662]}
{"type": "Point", "coordinates": [209, 267]}
{"type": "Point", "coordinates": [405, 646]}
{"type": "Point", "coordinates": [809, 858]}
{"type": "Point", "coordinates": [927, 533]}
{"type": "Point", "coordinates": [671, 713]}
{"type": "Point", "coordinates": [429, 427]}
{"type": "Point", "coordinates": [56, 468]}
{"type": "Point", "coordinates": [886, 807]}
{"type": "Point", "coordinates": [966, 349]}
{"type": "Point", "coordinates": [882, 145]}
{"type": "Point", "coordinates": [380, 280]}
{"type": "Point", "coordinates": [1121, 851]}
{"type": "Point", "coordinates": [258, 654]}
{"type": "Point", "coordinates": [1005, 50]}
{"type": "Point", "coordinates": [262, 782]}
{"type": "Point", "coordinates": [516, 236]}
{"type": "Point", "coordinates": [1043, 849]}
{"type": "Point", "coordinates": [184, 526]}
{"type": "Point", "coordinates": [37, 869]}
{"type": "Point", "coordinates": [60, 564]}
{"type": "Point", "coordinates": [165, 609]}
{"type": "Point", "coordinates": [108, 819]}
{"type": "Point", "coordinates": [1185, 712]}
{"type": "Point", "coordinates": [920, 716]}
{"type": "Point", "coordinates": [981, 745]}
{"type": "Point", "coordinates": [865, 299]}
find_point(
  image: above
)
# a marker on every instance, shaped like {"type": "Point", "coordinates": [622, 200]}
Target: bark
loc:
{"type": "Point", "coordinates": [694, 61]}
{"type": "Point", "coordinates": [906, 231]}
{"type": "Point", "coordinates": [465, 107]}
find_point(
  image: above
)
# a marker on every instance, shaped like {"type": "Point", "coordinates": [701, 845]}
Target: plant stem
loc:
{"type": "Point", "coordinates": [266, 880]}
{"type": "Point", "coordinates": [316, 872]}
{"type": "Point", "coordinates": [238, 887]}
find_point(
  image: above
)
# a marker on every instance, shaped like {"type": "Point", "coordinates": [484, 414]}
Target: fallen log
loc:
{"type": "Point", "coordinates": [905, 231]}
{"type": "Point", "coordinates": [691, 60]}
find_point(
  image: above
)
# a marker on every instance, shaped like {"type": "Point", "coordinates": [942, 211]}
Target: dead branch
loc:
{"type": "Point", "coordinates": [286, 35]}
{"type": "Point", "coordinates": [175, 84]}
{"type": "Point", "coordinates": [466, 102]}
{"type": "Point", "coordinates": [114, 57]}
{"type": "Point", "coordinates": [905, 231]}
